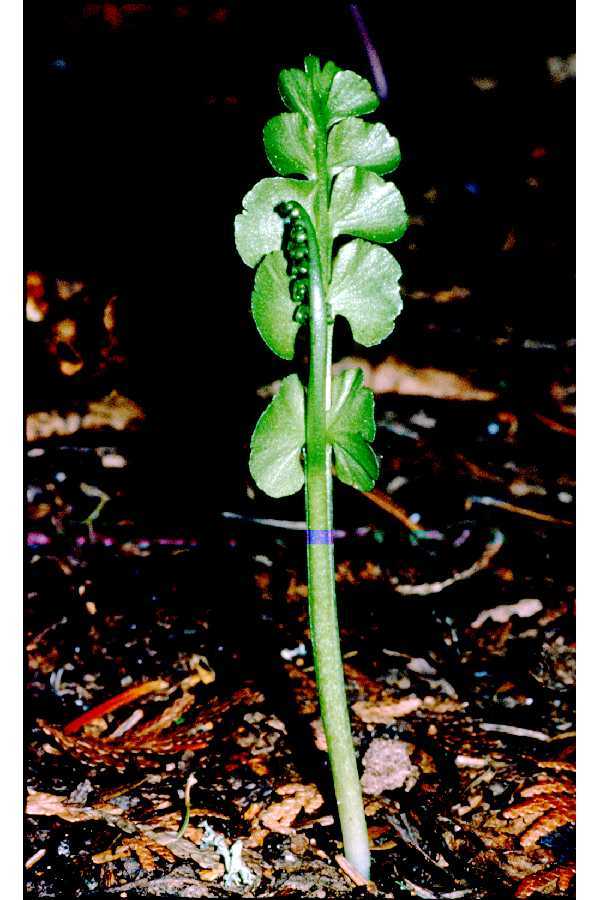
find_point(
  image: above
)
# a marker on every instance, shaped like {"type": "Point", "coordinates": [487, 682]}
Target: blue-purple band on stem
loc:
{"type": "Point", "coordinates": [319, 536]}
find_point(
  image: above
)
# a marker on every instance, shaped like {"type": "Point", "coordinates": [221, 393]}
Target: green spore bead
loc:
{"type": "Point", "coordinates": [299, 270]}
{"type": "Point", "coordinates": [299, 291]}
{"type": "Point", "coordinates": [302, 314]}
{"type": "Point", "coordinates": [296, 252]}
{"type": "Point", "coordinates": [298, 234]}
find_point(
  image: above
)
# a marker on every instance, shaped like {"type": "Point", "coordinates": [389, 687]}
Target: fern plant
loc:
{"type": "Point", "coordinates": [330, 162]}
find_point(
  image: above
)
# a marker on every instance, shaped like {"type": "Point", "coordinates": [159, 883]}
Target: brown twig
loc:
{"type": "Point", "coordinates": [422, 590]}
{"type": "Point", "coordinates": [476, 471]}
{"type": "Point", "coordinates": [35, 858]}
{"type": "Point", "coordinates": [516, 732]}
{"type": "Point", "coordinates": [385, 502]}
{"type": "Point", "coordinates": [555, 426]}
{"type": "Point", "coordinates": [353, 875]}
{"type": "Point", "coordinates": [518, 510]}
{"type": "Point", "coordinates": [122, 699]}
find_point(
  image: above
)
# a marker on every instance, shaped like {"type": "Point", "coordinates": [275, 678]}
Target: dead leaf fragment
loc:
{"type": "Point", "coordinates": [393, 376]}
{"type": "Point", "coordinates": [278, 817]}
{"type": "Point", "coordinates": [113, 411]}
{"type": "Point", "coordinates": [545, 882]}
{"type": "Point", "coordinates": [542, 813]}
{"type": "Point", "coordinates": [40, 803]}
{"type": "Point", "coordinates": [387, 767]}
{"type": "Point", "coordinates": [40, 425]}
{"type": "Point", "coordinates": [549, 787]}
{"type": "Point", "coordinates": [387, 711]}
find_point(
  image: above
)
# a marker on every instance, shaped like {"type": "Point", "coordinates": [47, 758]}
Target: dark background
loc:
{"type": "Point", "coordinates": [143, 132]}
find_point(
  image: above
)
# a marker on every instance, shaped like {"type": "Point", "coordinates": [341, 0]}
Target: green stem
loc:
{"type": "Point", "coordinates": [321, 572]}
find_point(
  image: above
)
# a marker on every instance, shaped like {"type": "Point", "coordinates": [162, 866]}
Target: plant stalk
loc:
{"type": "Point", "coordinates": [324, 627]}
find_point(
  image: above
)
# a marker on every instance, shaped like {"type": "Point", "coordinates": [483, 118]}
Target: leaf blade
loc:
{"type": "Point", "coordinates": [364, 289]}
{"type": "Point", "coordinates": [366, 206]}
{"type": "Point", "coordinates": [350, 95]}
{"type": "Point", "coordinates": [288, 145]}
{"type": "Point", "coordinates": [277, 442]}
{"type": "Point", "coordinates": [272, 306]}
{"type": "Point", "coordinates": [296, 91]}
{"type": "Point", "coordinates": [354, 142]}
{"type": "Point", "coordinates": [351, 428]}
{"type": "Point", "coordinates": [258, 228]}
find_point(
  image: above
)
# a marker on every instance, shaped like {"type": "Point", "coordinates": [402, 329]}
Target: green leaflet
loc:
{"type": "Point", "coordinates": [272, 306]}
{"type": "Point", "coordinates": [277, 442]}
{"type": "Point", "coordinates": [288, 145]}
{"type": "Point", "coordinates": [351, 428]}
{"type": "Point", "coordinates": [326, 95]}
{"type": "Point", "coordinates": [354, 142]}
{"type": "Point", "coordinates": [258, 229]}
{"type": "Point", "coordinates": [364, 205]}
{"type": "Point", "coordinates": [350, 95]}
{"type": "Point", "coordinates": [329, 72]}
{"type": "Point", "coordinates": [296, 91]}
{"type": "Point", "coordinates": [364, 289]}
